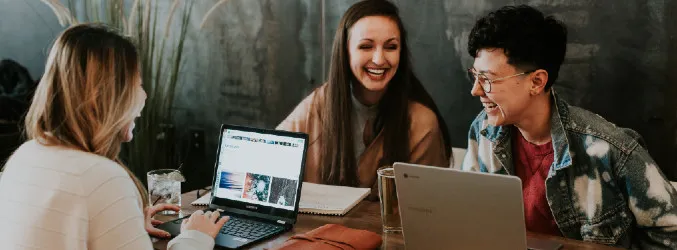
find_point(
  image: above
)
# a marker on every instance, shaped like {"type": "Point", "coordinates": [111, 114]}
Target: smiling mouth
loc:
{"type": "Point", "coordinates": [376, 72]}
{"type": "Point", "coordinates": [490, 106]}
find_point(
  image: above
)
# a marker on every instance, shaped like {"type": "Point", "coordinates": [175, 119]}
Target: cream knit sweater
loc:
{"type": "Point", "coordinates": [58, 198]}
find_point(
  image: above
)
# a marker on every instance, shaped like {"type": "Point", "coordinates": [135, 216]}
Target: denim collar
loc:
{"type": "Point", "coordinates": [500, 135]}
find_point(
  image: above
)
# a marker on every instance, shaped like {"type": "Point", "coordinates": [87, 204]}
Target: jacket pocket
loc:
{"type": "Point", "coordinates": [608, 228]}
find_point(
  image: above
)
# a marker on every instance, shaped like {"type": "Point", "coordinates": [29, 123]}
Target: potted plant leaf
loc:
{"type": "Point", "coordinates": [161, 48]}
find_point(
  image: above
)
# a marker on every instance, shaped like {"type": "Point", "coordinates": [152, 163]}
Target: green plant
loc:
{"type": "Point", "coordinates": [161, 58]}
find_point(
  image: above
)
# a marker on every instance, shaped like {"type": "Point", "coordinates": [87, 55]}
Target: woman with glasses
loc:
{"type": "Point", "coordinates": [372, 111]}
{"type": "Point", "coordinates": [66, 188]}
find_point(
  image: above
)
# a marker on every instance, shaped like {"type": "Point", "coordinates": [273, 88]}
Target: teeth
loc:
{"type": "Point", "coordinates": [376, 71]}
{"type": "Point", "coordinates": [490, 105]}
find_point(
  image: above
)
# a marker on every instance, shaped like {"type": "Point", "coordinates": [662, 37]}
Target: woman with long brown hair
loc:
{"type": "Point", "coordinates": [66, 188]}
{"type": "Point", "coordinates": [372, 111]}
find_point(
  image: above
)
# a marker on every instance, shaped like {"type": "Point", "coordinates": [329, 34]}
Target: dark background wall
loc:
{"type": "Point", "coordinates": [256, 59]}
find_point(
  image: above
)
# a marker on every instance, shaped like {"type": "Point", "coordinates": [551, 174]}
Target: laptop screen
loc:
{"type": "Point", "coordinates": [260, 169]}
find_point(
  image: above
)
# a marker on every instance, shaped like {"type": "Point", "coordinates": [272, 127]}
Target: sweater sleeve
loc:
{"type": "Point", "coordinates": [116, 220]}
{"type": "Point", "coordinates": [191, 239]}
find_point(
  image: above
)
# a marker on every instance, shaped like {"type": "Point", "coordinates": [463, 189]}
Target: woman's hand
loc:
{"type": "Point", "coordinates": [206, 222]}
{"type": "Point", "coordinates": [150, 223]}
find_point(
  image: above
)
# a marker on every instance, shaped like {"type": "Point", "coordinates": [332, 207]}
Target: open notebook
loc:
{"type": "Point", "coordinates": [203, 201]}
{"type": "Point", "coordinates": [319, 199]}
{"type": "Point", "coordinates": [330, 200]}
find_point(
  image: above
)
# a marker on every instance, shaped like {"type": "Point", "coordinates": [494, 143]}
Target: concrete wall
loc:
{"type": "Point", "coordinates": [256, 59]}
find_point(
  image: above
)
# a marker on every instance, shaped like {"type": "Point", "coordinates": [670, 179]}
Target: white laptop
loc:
{"type": "Point", "coordinates": [444, 208]}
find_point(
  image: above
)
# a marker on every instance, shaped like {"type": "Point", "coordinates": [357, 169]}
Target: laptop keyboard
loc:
{"type": "Point", "coordinates": [248, 229]}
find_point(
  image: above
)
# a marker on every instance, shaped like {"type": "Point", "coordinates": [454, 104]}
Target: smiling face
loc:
{"type": "Point", "coordinates": [509, 99]}
{"type": "Point", "coordinates": [128, 133]}
{"type": "Point", "coordinates": [374, 49]}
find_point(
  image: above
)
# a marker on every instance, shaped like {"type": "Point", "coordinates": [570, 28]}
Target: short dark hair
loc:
{"type": "Point", "coordinates": [529, 39]}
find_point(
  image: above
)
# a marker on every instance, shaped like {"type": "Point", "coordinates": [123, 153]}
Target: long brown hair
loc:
{"type": "Point", "coordinates": [339, 166]}
{"type": "Point", "coordinates": [87, 98]}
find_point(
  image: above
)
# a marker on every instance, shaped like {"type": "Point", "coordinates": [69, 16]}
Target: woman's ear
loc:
{"type": "Point", "coordinates": [539, 79]}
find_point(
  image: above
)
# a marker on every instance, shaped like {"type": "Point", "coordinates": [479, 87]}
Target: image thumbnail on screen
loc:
{"type": "Point", "coordinates": [283, 191]}
{"type": "Point", "coordinates": [232, 184]}
{"type": "Point", "coordinates": [257, 187]}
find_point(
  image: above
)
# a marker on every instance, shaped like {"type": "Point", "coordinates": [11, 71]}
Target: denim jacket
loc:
{"type": "Point", "coordinates": [603, 186]}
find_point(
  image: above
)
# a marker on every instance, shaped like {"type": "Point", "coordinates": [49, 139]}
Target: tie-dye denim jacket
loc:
{"type": "Point", "coordinates": [603, 186]}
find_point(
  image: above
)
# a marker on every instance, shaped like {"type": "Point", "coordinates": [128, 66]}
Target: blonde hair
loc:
{"type": "Point", "coordinates": [87, 97]}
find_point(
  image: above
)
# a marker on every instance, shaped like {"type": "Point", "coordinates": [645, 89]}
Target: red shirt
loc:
{"type": "Point", "coordinates": [532, 163]}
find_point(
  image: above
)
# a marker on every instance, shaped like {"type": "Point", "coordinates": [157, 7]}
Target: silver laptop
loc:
{"type": "Point", "coordinates": [444, 208]}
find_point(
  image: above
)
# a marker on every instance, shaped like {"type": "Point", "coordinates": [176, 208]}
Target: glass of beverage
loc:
{"type": "Point", "coordinates": [164, 186]}
{"type": "Point", "coordinates": [390, 214]}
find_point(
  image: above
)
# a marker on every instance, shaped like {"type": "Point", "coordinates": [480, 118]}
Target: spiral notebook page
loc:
{"type": "Point", "coordinates": [318, 199]}
{"type": "Point", "coordinates": [203, 200]}
{"type": "Point", "coordinates": [330, 200]}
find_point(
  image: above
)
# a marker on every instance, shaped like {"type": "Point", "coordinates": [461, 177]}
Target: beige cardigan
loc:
{"type": "Point", "coordinates": [427, 144]}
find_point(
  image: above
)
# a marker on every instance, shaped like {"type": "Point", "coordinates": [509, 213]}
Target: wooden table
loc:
{"type": "Point", "coordinates": [366, 215]}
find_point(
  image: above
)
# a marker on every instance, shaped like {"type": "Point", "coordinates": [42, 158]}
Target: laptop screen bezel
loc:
{"type": "Point", "coordinates": [256, 210]}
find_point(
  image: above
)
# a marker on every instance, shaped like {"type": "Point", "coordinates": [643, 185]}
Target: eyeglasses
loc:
{"type": "Point", "coordinates": [485, 82]}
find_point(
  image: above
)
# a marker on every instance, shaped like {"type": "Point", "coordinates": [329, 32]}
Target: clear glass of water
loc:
{"type": "Point", "coordinates": [164, 186]}
{"type": "Point", "coordinates": [390, 214]}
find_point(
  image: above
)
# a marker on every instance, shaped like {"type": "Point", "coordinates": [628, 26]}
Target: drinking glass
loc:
{"type": "Point", "coordinates": [390, 214]}
{"type": "Point", "coordinates": [164, 186]}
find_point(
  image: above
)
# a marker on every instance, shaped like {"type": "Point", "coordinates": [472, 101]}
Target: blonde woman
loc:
{"type": "Point", "coordinates": [65, 188]}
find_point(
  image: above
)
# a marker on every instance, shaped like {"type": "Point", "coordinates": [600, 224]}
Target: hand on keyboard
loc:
{"type": "Point", "coordinates": [206, 222]}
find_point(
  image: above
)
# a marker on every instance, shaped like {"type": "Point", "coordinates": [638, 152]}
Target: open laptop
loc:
{"type": "Point", "coordinates": [444, 208]}
{"type": "Point", "coordinates": [257, 182]}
